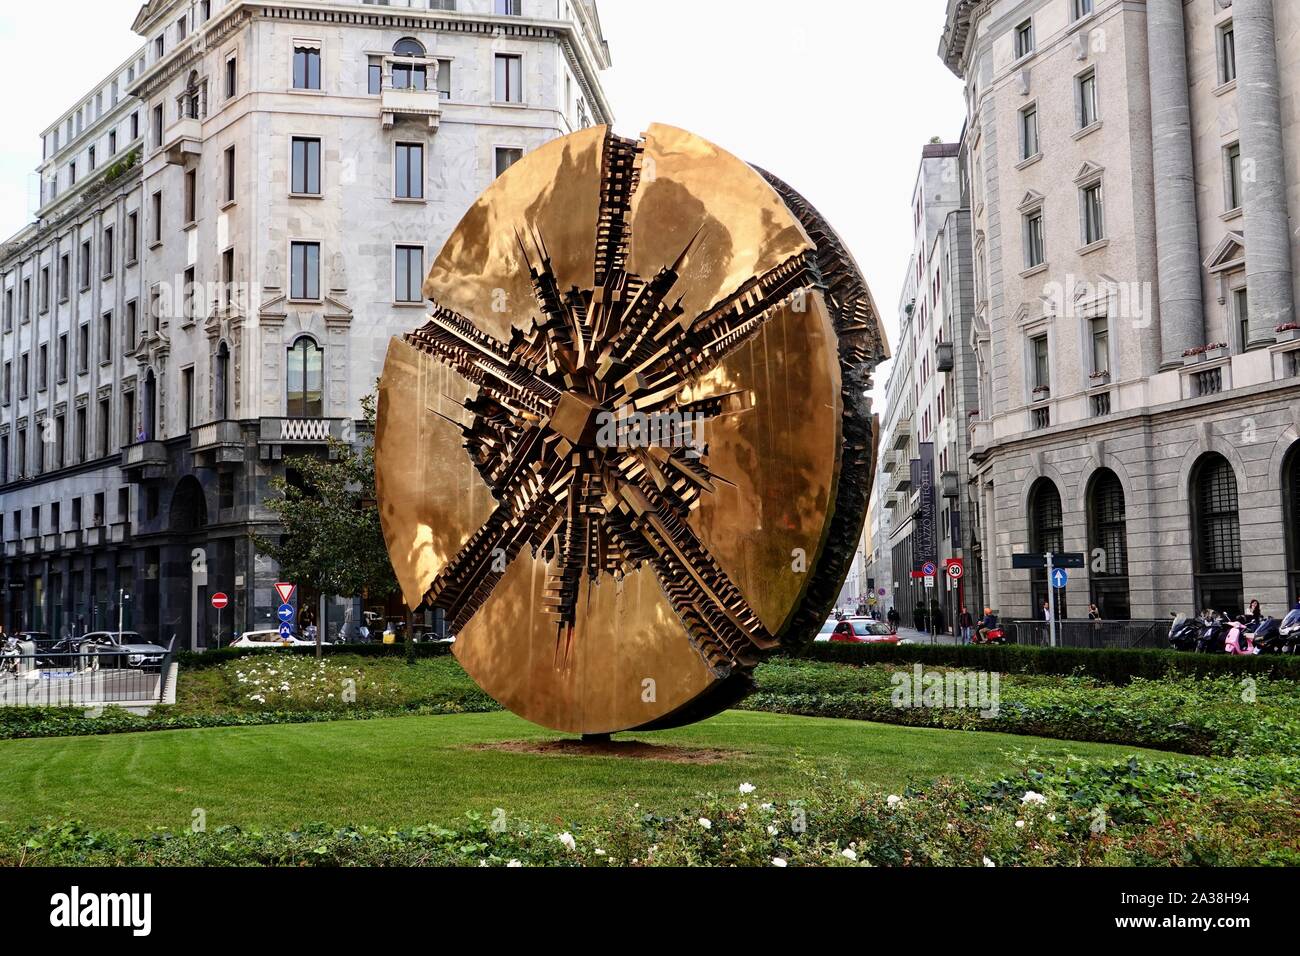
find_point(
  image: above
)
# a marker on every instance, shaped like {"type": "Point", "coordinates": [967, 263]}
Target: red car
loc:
{"type": "Point", "coordinates": [862, 630]}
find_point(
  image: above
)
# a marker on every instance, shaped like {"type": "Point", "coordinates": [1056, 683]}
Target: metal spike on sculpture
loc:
{"type": "Point", "coordinates": [630, 452]}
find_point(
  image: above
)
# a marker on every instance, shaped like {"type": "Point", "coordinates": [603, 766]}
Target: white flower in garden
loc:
{"type": "Point", "coordinates": [765, 806]}
{"type": "Point", "coordinates": [747, 788]}
{"type": "Point", "coordinates": [988, 862]}
{"type": "Point", "coordinates": [1032, 797]}
{"type": "Point", "coordinates": [771, 830]}
{"type": "Point", "coordinates": [600, 852]}
{"type": "Point", "coordinates": [777, 861]}
{"type": "Point", "coordinates": [849, 855]}
{"type": "Point", "coordinates": [706, 823]}
{"type": "Point", "coordinates": [894, 800]}
{"type": "Point", "coordinates": [1052, 817]}
{"type": "Point", "coordinates": [1020, 824]}
{"type": "Point", "coordinates": [744, 806]}
{"type": "Point", "coordinates": [568, 840]}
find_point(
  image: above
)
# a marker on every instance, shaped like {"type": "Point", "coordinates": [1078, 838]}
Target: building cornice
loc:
{"type": "Point", "coordinates": [956, 33]}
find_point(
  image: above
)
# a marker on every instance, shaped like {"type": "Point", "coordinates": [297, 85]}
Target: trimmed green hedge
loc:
{"type": "Point", "coordinates": [1114, 666]}
{"type": "Point", "coordinates": [189, 660]}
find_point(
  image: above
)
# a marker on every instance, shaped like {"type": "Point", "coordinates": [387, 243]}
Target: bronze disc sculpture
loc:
{"type": "Point", "coordinates": [630, 452]}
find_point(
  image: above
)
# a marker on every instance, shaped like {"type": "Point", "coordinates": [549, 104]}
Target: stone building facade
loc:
{"type": "Point", "coordinates": [232, 226]}
{"type": "Point", "coordinates": [928, 398]}
{"type": "Point", "coordinates": [1133, 189]}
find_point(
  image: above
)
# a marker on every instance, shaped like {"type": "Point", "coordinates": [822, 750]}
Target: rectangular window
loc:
{"type": "Point", "coordinates": [112, 142]}
{"type": "Point", "coordinates": [1034, 251]}
{"type": "Point", "coordinates": [76, 502]}
{"type": "Point", "coordinates": [232, 77]}
{"type": "Point", "coordinates": [7, 383]}
{"type": "Point", "coordinates": [509, 78]}
{"type": "Point", "coordinates": [230, 174]}
{"type": "Point", "coordinates": [304, 280]}
{"type": "Point", "coordinates": [135, 126]}
{"type": "Point", "coordinates": [24, 375]}
{"type": "Point", "coordinates": [72, 173]}
{"type": "Point", "coordinates": [1094, 226]}
{"type": "Point", "coordinates": [84, 266]}
{"type": "Point", "coordinates": [128, 420]}
{"type": "Point", "coordinates": [375, 75]}
{"type": "Point", "coordinates": [1029, 131]}
{"type": "Point", "coordinates": [1241, 315]}
{"type": "Point", "coordinates": [9, 309]}
{"type": "Point", "coordinates": [444, 79]}
{"type": "Point", "coordinates": [1042, 364]}
{"type": "Point", "coordinates": [65, 277]}
{"type": "Point", "coordinates": [1025, 39]}
{"type": "Point", "coordinates": [43, 367]}
{"type": "Point", "coordinates": [132, 237]}
{"type": "Point", "coordinates": [306, 167]}
{"type": "Point", "coordinates": [106, 254]}
{"type": "Point", "coordinates": [1232, 162]}
{"type": "Point", "coordinates": [83, 348]}
{"type": "Point", "coordinates": [508, 8]}
{"type": "Point", "coordinates": [191, 293]}
{"type": "Point", "coordinates": [106, 338]}
{"type": "Point", "coordinates": [1100, 331]}
{"type": "Point", "coordinates": [60, 459]}
{"type": "Point", "coordinates": [90, 157]}
{"type": "Point", "coordinates": [157, 218]}
{"type": "Point", "coordinates": [130, 327]}
{"type": "Point", "coordinates": [191, 196]}
{"type": "Point", "coordinates": [44, 292]}
{"type": "Point", "coordinates": [306, 68]}
{"type": "Point", "coordinates": [410, 76]}
{"type": "Point", "coordinates": [1081, 8]}
{"type": "Point", "coordinates": [409, 171]}
{"type": "Point", "coordinates": [507, 156]}
{"type": "Point", "coordinates": [187, 397]}
{"type": "Point", "coordinates": [409, 273]}
{"type": "Point", "coordinates": [61, 358]}
{"type": "Point", "coordinates": [1088, 99]}
{"type": "Point", "coordinates": [158, 126]}
{"type": "Point", "coordinates": [227, 277]}
{"type": "Point", "coordinates": [1227, 53]}
{"type": "Point", "coordinates": [82, 439]}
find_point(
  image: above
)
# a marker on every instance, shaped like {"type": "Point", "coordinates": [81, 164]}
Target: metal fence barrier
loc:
{"type": "Point", "coordinates": [90, 676]}
{"type": "Point", "coordinates": [1093, 634]}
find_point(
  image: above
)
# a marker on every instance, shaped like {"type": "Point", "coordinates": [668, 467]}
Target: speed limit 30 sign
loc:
{"type": "Point", "coordinates": [955, 570]}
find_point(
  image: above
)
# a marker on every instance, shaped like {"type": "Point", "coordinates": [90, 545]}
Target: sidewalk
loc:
{"type": "Point", "coordinates": [920, 637]}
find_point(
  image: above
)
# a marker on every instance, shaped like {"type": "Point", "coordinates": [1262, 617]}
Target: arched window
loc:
{"type": "Point", "coordinates": [1216, 536]}
{"type": "Point", "coordinates": [221, 384]}
{"type": "Point", "coordinates": [1108, 546]}
{"type": "Point", "coordinates": [189, 510]}
{"type": "Point", "coordinates": [1291, 515]}
{"type": "Point", "coordinates": [305, 395]}
{"type": "Point", "coordinates": [1046, 534]}
{"type": "Point", "coordinates": [410, 75]}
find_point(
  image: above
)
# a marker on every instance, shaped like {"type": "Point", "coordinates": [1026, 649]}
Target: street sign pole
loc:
{"type": "Point", "coordinates": [218, 647]}
{"type": "Point", "coordinates": [1051, 602]}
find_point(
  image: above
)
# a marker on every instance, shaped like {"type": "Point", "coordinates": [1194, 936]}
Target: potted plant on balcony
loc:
{"type": "Point", "coordinates": [1205, 353]}
{"type": "Point", "coordinates": [1098, 379]}
{"type": "Point", "coordinates": [1287, 332]}
{"type": "Point", "coordinates": [1042, 393]}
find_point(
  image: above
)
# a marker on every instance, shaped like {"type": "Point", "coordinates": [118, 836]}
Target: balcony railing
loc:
{"type": "Point", "coordinates": [397, 102]}
{"type": "Point", "coordinates": [902, 434]}
{"type": "Point", "coordinates": [301, 431]}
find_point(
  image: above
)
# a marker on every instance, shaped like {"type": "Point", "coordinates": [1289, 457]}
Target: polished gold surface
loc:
{"type": "Point", "coordinates": [599, 585]}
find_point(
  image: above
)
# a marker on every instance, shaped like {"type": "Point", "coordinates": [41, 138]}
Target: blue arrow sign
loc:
{"type": "Point", "coordinates": [287, 613]}
{"type": "Point", "coordinates": [286, 632]}
{"type": "Point", "coordinates": [1059, 578]}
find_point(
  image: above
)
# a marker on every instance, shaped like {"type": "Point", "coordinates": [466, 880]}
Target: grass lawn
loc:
{"type": "Point", "coordinates": [420, 770]}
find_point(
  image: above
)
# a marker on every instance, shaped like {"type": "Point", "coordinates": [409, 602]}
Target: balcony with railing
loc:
{"type": "Point", "coordinates": [902, 434]}
{"type": "Point", "coordinates": [182, 140]}
{"type": "Point", "coordinates": [217, 443]}
{"type": "Point", "coordinates": [144, 461]}
{"type": "Point", "coordinates": [276, 433]}
{"type": "Point", "coordinates": [408, 95]}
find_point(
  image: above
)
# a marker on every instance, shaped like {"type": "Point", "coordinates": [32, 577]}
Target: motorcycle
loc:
{"type": "Point", "coordinates": [1213, 638]}
{"type": "Point", "coordinates": [1185, 632]}
{"type": "Point", "coordinates": [1268, 637]}
{"type": "Point", "coordinates": [996, 635]}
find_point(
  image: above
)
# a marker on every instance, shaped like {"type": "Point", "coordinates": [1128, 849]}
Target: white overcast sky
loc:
{"type": "Point", "coordinates": [836, 97]}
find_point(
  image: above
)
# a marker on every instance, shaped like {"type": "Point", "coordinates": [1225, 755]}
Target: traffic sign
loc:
{"type": "Point", "coordinates": [286, 632]}
{"type": "Point", "coordinates": [220, 601]}
{"type": "Point", "coordinates": [287, 613]}
{"type": "Point", "coordinates": [955, 570]}
{"type": "Point", "coordinates": [1059, 578]}
{"type": "Point", "coordinates": [286, 592]}
{"type": "Point", "coordinates": [882, 592]}
{"type": "Point", "coordinates": [1037, 562]}
{"type": "Point", "coordinates": [929, 569]}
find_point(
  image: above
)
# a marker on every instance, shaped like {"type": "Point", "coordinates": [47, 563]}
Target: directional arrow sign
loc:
{"type": "Point", "coordinates": [287, 613]}
{"type": "Point", "coordinates": [1059, 578]}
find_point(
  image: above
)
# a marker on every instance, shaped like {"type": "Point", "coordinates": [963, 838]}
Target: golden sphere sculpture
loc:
{"type": "Point", "coordinates": [630, 452]}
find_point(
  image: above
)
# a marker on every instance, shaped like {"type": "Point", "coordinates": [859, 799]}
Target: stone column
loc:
{"type": "Point", "coordinates": [1178, 249]}
{"type": "Point", "coordinates": [1269, 292]}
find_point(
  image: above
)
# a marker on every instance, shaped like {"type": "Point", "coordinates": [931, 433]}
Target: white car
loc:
{"type": "Point", "coordinates": [827, 628]}
{"type": "Point", "coordinates": [267, 639]}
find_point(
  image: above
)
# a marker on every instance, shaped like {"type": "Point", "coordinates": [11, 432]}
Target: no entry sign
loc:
{"type": "Point", "coordinates": [220, 601]}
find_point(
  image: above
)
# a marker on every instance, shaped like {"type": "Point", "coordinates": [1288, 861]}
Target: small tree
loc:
{"type": "Point", "coordinates": [332, 540]}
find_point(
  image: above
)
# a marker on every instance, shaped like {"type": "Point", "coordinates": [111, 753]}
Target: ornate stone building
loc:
{"type": "Point", "coordinates": [232, 226]}
{"type": "Point", "coordinates": [1133, 185]}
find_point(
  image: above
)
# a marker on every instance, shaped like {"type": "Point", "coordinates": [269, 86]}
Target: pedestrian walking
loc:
{"type": "Point", "coordinates": [967, 625]}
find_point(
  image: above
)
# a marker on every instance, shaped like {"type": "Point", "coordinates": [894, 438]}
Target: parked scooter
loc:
{"type": "Point", "coordinates": [1213, 638]}
{"type": "Point", "coordinates": [1238, 639]}
{"type": "Point", "coordinates": [1267, 636]}
{"type": "Point", "coordinates": [1185, 632]}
